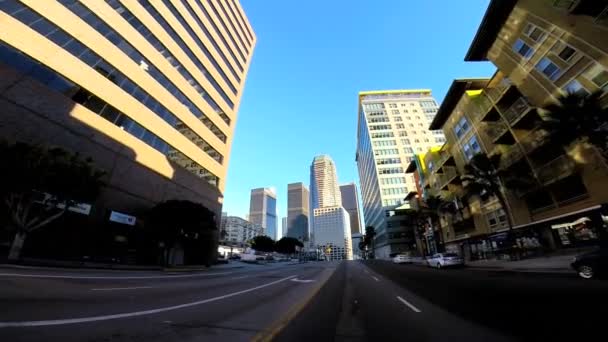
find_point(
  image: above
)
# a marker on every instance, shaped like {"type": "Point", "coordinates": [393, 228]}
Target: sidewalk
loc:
{"type": "Point", "coordinates": [547, 264]}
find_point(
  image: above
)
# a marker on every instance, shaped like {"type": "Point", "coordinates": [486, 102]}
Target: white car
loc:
{"type": "Point", "coordinates": [402, 259]}
{"type": "Point", "coordinates": [440, 260]}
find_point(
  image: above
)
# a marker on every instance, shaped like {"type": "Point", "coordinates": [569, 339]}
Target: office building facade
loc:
{"type": "Point", "coordinates": [298, 201]}
{"type": "Point", "coordinates": [350, 202]}
{"type": "Point", "coordinates": [283, 227]}
{"type": "Point", "coordinates": [330, 222]}
{"type": "Point", "coordinates": [238, 231]}
{"type": "Point", "coordinates": [263, 210]}
{"type": "Point", "coordinates": [148, 89]}
{"type": "Point", "coordinates": [392, 127]}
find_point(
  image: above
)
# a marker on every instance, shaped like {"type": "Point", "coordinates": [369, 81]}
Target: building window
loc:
{"type": "Point", "coordinates": [402, 133]}
{"type": "Point", "coordinates": [411, 125]}
{"type": "Point", "coordinates": [405, 141]}
{"type": "Point", "coordinates": [598, 75]}
{"type": "Point", "coordinates": [461, 127]}
{"type": "Point", "coordinates": [395, 111]}
{"type": "Point", "coordinates": [439, 140]}
{"type": "Point", "coordinates": [373, 106]}
{"type": "Point", "coordinates": [398, 119]}
{"type": "Point", "coordinates": [471, 148]}
{"type": "Point", "coordinates": [417, 141]}
{"type": "Point", "coordinates": [384, 161]}
{"type": "Point", "coordinates": [534, 32]}
{"type": "Point", "coordinates": [415, 110]}
{"type": "Point", "coordinates": [411, 104]}
{"type": "Point", "coordinates": [408, 150]}
{"type": "Point", "coordinates": [405, 110]}
{"type": "Point", "coordinates": [523, 49]}
{"type": "Point", "coordinates": [414, 132]}
{"type": "Point", "coordinates": [403, 105]}
{"type": "Point", "coordinates": [390, 170]}
{"type": "Point", "coordinates": [400, 126]}
{"type": "Point", "coordinates": [392, 105]}
{"type": "Point", "coordinates": [426, 140]}
{"type": "Point", "coordinates": [575, 87]}
{"type": "Point", "coordinates": [548, 68]}
{"type": "Point", "coordinates": [379, 127]}
{"type": "Point", "coordinates": [566, 53]}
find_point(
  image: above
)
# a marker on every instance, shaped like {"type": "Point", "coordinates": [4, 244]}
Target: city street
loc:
{"type": "Point", "coordinates": [391, 302]}
{"type": "Point", "coordinates": [317, 301]}
{"type": "Point", "coordinates": [215, 305]}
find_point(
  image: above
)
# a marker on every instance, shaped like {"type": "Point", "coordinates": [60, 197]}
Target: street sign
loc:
{"type": "Point", "coordinates": [115, 216]}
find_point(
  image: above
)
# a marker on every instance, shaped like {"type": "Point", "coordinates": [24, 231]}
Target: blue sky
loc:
{"type": "Point", "coordinates": [311, 60]}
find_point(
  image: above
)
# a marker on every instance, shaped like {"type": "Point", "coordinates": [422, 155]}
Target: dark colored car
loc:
{"type": "Point", "coordinates": [592, 264]}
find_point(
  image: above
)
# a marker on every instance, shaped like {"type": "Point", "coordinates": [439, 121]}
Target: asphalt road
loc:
{"type": "Point", "coordinates": [348, 301]}
{"type": "Point", "coordinates": [214, 305]}
{"type": "Point", "coordinates": [381, 301]}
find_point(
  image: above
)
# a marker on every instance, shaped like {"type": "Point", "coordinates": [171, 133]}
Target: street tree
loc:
{"type": "Point", "coordinates": [434, 207]}
{"type": "Point", "coordinates": [370, 233]}
{"type": "Point", "coordinates": [578, 117]}
{"type": "Point", "coordinates": [39, 184]}
{"type": "Point", "coordinates": [188, 223]}
{"type": "Point", "coordinates": [262, 243]}
{"type": "Point", "coordinates": [287, 245]}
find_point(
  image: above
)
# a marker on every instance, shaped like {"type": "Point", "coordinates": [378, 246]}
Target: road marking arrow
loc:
{"type": "Point", "coordinates": [302, 280]}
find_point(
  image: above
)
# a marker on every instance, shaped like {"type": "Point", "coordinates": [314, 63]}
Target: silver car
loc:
{"type": "Point", "coordinates": [402, 259]}
{"type": "Point", "coordinates": [440, 260]}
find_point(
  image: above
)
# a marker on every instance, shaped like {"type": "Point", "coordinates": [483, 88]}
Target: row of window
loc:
{"type": "Point", "coordinates": [394, 191]}
{"type": "Point", "coordinates": [53, 80]}
{"type": "Point", "coordinates": [390, 170]}
{"type": "Point", "coordinates": [380, 143]}
{"type": "Point", "coordinates": [105, 30]}
{"type": "Point", "coordinates": [379, 127]}
{"type": "Point", "coordinates": [427, 103]}
{"type": "Point", "coordinates": [383, 135]}
{"type": "Point", "coordinates": [385, 161]}
{"type": "Point", "coordinates": [461, 127]}
{"type": "Point", "coordinates": [162, 49]}
{"type": "Point", "coordinates": [376, 113]}
{"type": "Point", "coordinates": [217, 15]}
{"type": "Point", "coordinates": [471, 147]}
{"type": "Point", "coordinates": [387, 151]}
{"type": "Point", "coordinates": [392, 180]}
{"type": "Point", "coordinates": [396, 111]}
{"type": "Point", "coordinates": [196, 60]}
{"type": "Point", "coordinates": [391, 202]}
{"type": "Point", "coordinates": [221, 6]}
{"type": "Point", "coordinates": [373, 106]}
{"type": "Point", "coordinates": [380, 119]}
{"type": "Point", "coordinates": [73, 46]}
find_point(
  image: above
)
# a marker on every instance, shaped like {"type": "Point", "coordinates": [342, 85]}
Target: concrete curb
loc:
{"type": "Point", "coordinates": [276, 327]}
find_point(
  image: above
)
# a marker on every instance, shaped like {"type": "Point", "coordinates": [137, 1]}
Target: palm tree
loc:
{"type": "Point", "coordinates": [482, 179]}
{"type": "Point", "coordinates": [576, 116]}
{"type": "Point", "coordinates": [436, 206]}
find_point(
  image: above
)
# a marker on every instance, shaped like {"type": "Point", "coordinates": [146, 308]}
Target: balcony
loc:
{"type": "Point", "coordinates": [535, 139]}
{"type": "Point", "coordinates": [479, 107]}
{"type": "Point", "coordinates": [495, 130]}
{"type": "Point", "coordinates": [558, 168]}
{"type": "Point", "coordinates": [517, 110]}
{"type": "Point", "coordinates": [496, 93]}
{"type": "Point", "coordinates": [448, 176]}
{"type": "Point", "coordinates": [510, 156]}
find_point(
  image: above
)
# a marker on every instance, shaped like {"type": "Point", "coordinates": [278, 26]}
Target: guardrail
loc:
{"type": "Point", "coordinates": [558, 168]}
{"type": "Point", "coordinates": [517, 110]}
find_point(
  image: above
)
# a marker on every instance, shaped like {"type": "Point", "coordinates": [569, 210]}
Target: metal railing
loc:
{"type": "Point", "coordinates": [495, 129]}
{"type": "Point", "coordinates": [497, 92]}
{"type": "Point", "coordinates": [558, 168]}
{"type": "Point", "coordinates": [517, 110]}
{"type": "Point", "coordinates": [478, 107]}
{"type": "Point", "coordinates": [536, 138]}
{"type": "Point", "coordinates": [448, 175]}
{"type": "Point", "coordinates": [510, 156]}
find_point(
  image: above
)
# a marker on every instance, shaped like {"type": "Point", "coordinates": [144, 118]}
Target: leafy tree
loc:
{"type": "Point", "coordinates": [262, 243]}
{"type": "Point", "coordinates": [39, 184]}
{"type": "Point", "coordinates": [189, 223]}
{"type": "Point", "coordinates": [368, 238]}
{"type": "Point", "coordinates": [575, 116]}
{"type": "Point", "coordinates": [287, 245]}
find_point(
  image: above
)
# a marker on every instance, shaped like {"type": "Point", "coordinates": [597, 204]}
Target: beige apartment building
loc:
{"type": "Point", "coordinates": [149, 90]}
{"type": "Point", "coordinates": [542, 49]}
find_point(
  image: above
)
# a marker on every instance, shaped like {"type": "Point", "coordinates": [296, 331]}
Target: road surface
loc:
{"type": "Point", "coordinates": [319, 301]}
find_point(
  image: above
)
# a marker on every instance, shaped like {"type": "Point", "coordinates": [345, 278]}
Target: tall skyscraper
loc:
{"type": "Point", "coordinates": [283, 227]}
{"type": "Point", "coordinates": [298, 211]}
{"type": "Point", "coordinates": [330, 222]}
{"type": "Point", "coordinates": [263, 210]}
{"type": "Point", "coordinates": [350, 202]}
{"type": "Point", "coordinates": [324, 188]}
{"type": "Point", "coordinates": [392, 126]}
{"type": "Point", "coordinates": [148, 89]}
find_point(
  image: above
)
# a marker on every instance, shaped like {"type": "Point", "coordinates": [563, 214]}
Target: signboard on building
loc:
{"type": "Point", "coordinates": [115, 216]}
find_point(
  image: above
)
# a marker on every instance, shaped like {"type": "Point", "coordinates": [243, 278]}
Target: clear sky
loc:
{"type": "Point", "coordinates": [311, 60]}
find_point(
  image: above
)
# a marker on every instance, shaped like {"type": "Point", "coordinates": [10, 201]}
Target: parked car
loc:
{"type": "Point", "coordinates": [591, 264]}
{"type": "Point", "coordinates": [402, 259]}
{"type": "Point", "coordinates": [440, 260]}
